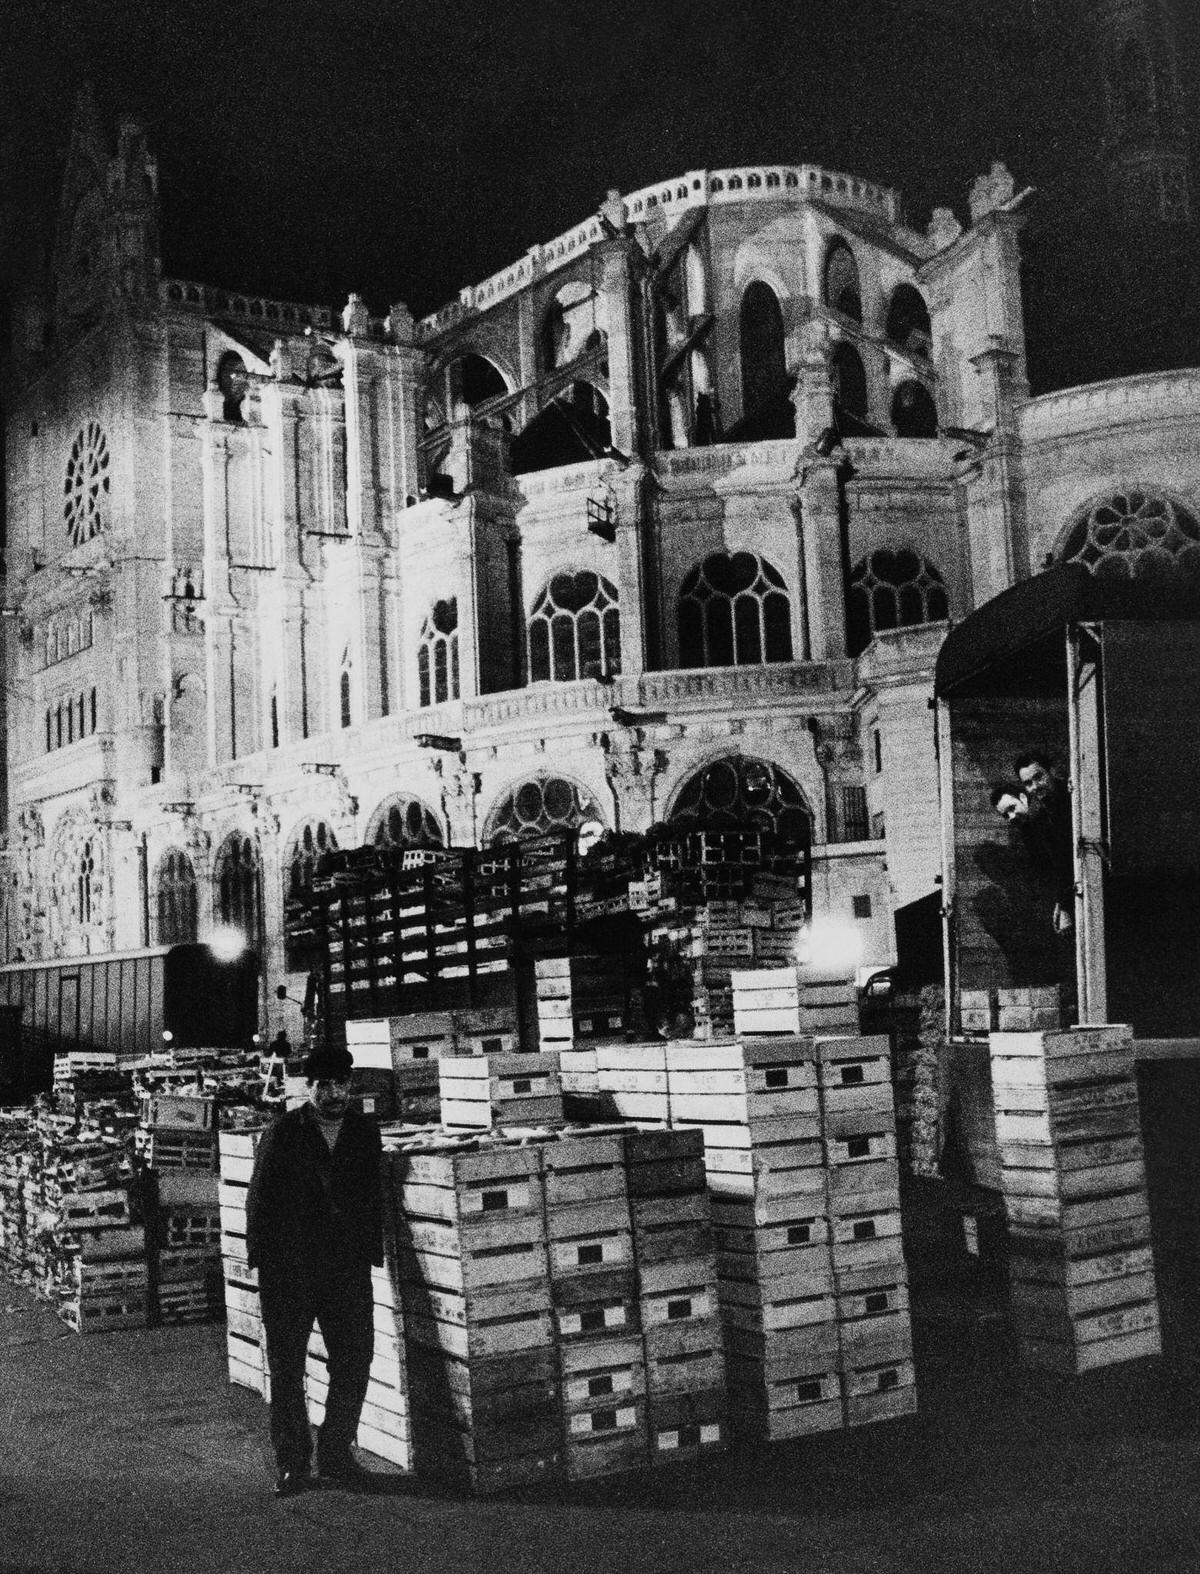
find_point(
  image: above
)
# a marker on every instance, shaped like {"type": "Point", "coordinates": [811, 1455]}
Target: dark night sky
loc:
{"type": "Point", "coordinates": [310, 148]}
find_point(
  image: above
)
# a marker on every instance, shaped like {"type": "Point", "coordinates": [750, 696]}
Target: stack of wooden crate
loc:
{"type": "Point", "coordinates": [757, 1105]}
{"type": "Point", "coordinates": [631, 1081]}
{"type": "Point", "coordinates": [552, 987]}
{"type": "Point", "coordinates": [863, 1185]}
{"type": "Point", "coordinates": [478, 1092]}
{"type": "Point", "coordinates": [473, 1274]}
{"type": "Point", "coordinates": [673, 1248]}
{"type": "Point", "coordinates": [178, 1140]}
{"type": "Point", "coordinates": [828, 1001]}
{"type": "Point", "coordinates": [1083, 1291]}
{"type": "Point", "coordinates": [594, 1293]}
{"type": "Point", "coordinates": [384, 1428]}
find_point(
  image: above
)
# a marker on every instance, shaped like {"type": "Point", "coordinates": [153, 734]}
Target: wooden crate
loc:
{"type": "Point", "coordinates": [687, 1426]}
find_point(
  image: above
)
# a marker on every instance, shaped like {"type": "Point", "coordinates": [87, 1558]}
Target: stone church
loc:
{"type": "Point", "coordinates": [664, 521]}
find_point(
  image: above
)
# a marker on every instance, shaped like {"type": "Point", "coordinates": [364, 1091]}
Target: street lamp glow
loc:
{"type": "Point", "coordinates": [226, 943]}
{"type": "Point", "coordinates": [830, 945]}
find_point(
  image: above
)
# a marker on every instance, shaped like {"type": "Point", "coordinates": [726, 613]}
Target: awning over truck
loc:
{"type": "Point", "coordinates": [1014, 642]}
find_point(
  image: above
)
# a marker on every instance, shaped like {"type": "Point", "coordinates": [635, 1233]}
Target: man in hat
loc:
{"type": "Point", "coordinates": [314, 1226]}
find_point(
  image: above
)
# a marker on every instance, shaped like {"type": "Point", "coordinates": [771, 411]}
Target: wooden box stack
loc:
{"type": "Point", "coordinates": [632, 1081]}
{"type": "Point", "coordinates": [593, 1290]}
{"type": "Point", "coordinates": [478, 1092]}
{"type": "Point", "coordinates": [179, 1141]}
{"type": "Point", "coordinates": [870, 1279]}
{"type": "Point", "coordinates": [552, 987]}
{"type": "Point", "coordinates": [1083, 1291]}
{"type": "Point", "coordinates": [95, 1254]}
{"type": "Point", "coordinates": [828, 1001]}
{"type": "Point", "coordinates": [686, 1400]}
{"type": "Point", "coordinates": [765, 1000]}
{"type": "Point", "coordinates": [756, 1102]}
{"type": "Point", "coordinates": [474, 1281]}
{"type": "Point", "coordinates": [385, 1427]}
{"type": "Point", "coordinates": [245, 1343]}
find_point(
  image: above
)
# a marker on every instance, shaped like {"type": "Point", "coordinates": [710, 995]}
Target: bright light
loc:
{"type": "Point", "coordinates": [226, 943]}
{"type": "Point", "coordinates": [167, 1035]}
{"type": "Point", "coordinates": [830, 945]}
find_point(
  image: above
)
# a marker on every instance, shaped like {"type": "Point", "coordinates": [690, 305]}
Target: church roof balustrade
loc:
{"type": "Point", "coordinates": [208, 299]}
{"type": "Point", "coordinates": [1154, 397]}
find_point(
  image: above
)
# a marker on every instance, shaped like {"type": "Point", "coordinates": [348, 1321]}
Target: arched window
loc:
{"type": "Point", "coordinates": [842, 288]}
{"type": "Point", "coordinates": [737, 792]}
{"type": "Point", "coordinates": [908, 322]}
{"type": "Point", "coordinates": [84, 878]}
{"type": "Point", "coordinates": [541, 804]}
{"type": "Point", "coordinates": [344, 693]}
{"type": "Point", "coordinates": [233, 381]}
{"type": "Point", "coordinates": [575, 629]}
{"type": "Point", "coordinates": [437, 654]}
{"type": "Point", "coordinates": [893, 589]}
{"type": "Point", "coordinates": [734, 612]}
{"type": "Point", "coordinates": [914, 413]}
{"type": "Point", "coordinates": [764, 366]}
{"type": "Point", "coordinates": [849, 378]}
{"type": "Point", "coordinates": [1135, 535]}
{"type": "Point", "coordinates": [236, 883]}
{"type": "Point", "coordinates": [175, 899]}
{"type": "Point", "coordinates": [310, 844]}
{"type": "Point", "coordinates": [404, 821]}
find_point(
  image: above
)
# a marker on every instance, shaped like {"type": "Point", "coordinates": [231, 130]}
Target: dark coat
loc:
{"type": "Point", "coordinates": [309, 1209]}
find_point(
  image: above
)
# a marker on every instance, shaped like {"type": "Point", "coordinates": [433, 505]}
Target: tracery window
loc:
{"type": "Point", "coordinates": [734, 611]}
{"type": "Point", "coordinates": [84, 882]}
{"type": "Point", "coordinates": [842, 288]}
{"type": "Point", "coordinates": [542, 804]}
{"type": "Point", "coordinates": [737, 791]}
{"type": "Point", "coordinates": [176, 899]}
{"type": "Point", "coordinates": [236, 882]}
{"type": "Point", "coordinates": [86, 485]}
{"type": "Point", "coordinates": [437, 654]}
{"type": "Point", "coordinates": [893, 589]}
{"type": "Point", "coordinates": [1135, 535]}
{"type": "Point", "coordinates": [575, 629]}
{"type": "Point", "coordinates": [404, 821]}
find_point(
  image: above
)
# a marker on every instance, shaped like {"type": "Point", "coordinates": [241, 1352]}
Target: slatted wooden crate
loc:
{"type": "Point", "coordinates": [1083, 1292]}
{"type": "Point", "coordinates": [483, 1091]}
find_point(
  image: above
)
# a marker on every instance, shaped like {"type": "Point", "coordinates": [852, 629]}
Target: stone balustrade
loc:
{"type": "Point", "coordinates": [1154, 397]}
{"type": "Point", "coordinates": [293, 316]}
{"type": "Point", "coordinates": [667, 199]}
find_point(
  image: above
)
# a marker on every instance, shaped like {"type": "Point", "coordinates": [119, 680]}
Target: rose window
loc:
{"type": "Point", "coordinates": [1134, 534]}
{"type": "Point", "coordinates": [85, 487]}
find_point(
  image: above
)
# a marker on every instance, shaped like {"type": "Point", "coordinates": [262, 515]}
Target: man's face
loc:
{"type": "Point", "coordinates": [330, 1096]}
{"type": "Point", "coordinates": [1036, 781]}
{"type": "Point", "coordinates": [1013, 807]}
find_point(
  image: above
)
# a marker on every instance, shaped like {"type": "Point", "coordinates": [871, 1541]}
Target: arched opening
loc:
{"type": "Point", "coordinates": [236, 885]}
{"type": "Point", "coordinates": [571, 428]}
{"type": "Point", "coordinates": [474, 380]}
{"type": "Point", "coordinates": [843, 291]}
{"type": "Point", "coordinates": [539, 805]}
{"type": "Point", "coordinates": [734, 611]}
{"type": "Point", "coordinates": [176, 899]}
{"type": "Point", "coordinates": [572, 325]}
{"type": "Point", "coordinates": [404, 821]}
{"type": "Point", "coordinates": [914, 413]}
{"type": "Point", "coordinates": [848, 376]}
{"type": "Point", "coordinates": [894, 588]}
{"type": "Point", "coordinates": [233, 380]}
{"type": "Point", "coordinates": [763, 361]}
{"type": "Point", "coordinates": [908, 322]}
{"type": "Point", "coordinates": [575, 629]}
{"type": "Point", "coordinates": [310, 845]}
{"type": "Point", "coordinates": [737, 793]}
